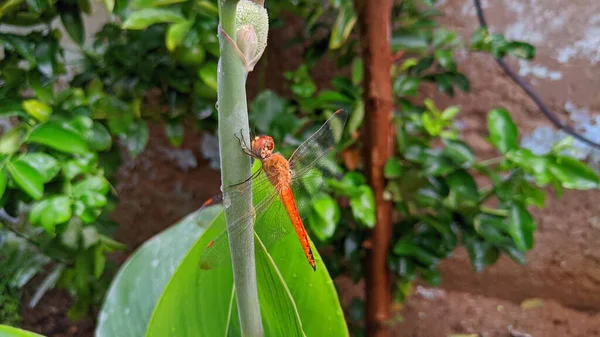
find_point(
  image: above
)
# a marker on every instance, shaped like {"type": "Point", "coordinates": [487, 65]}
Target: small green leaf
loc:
{"type": "Point", "coordinates": [149, 16]}
{"type": "Point", "coordinates": [574, 174]}
{"type": "Point", "coordinates": [266, 107]}
{"type": "Point", "coordinates": [491, 228]}
{"type": "Point", "coordinates": [43, 163]}
{"type": "Point", "coordinates": [458, 151]}
{"type": "Point", "coordinates": [537, 166]}
{"type": "Point", "coordinates": [343, 26]}
{"type": "Point", "coordinates": [79, 165]}
{"type": "Point", "coordinates": [51, 212]}
{"type": "Point", "coordinates": [406, 248]}
{"type": "Point", "coordinates": [409, 41]}
{"type": "Point", "coordinates": [138, 4]}
{"type": "Point", "coordinates": [137, 137]}
{"type": "Point", "coordinates": [37, 109]}
{"type": "Point", "coordinates": [357, 71]}
{"type": "Point", "coordinates": [95, 184]}
{"type": "Point", "coordinates": [85, 6]}
{"type": "Point", "coordinates": [3, 182]}
{"type": "Point", "coordinates": [59, 138]}
{"type": "Point", "coordinates": [326, 216]}
{"type": "Point", "coordinates": [208, 74]}
{"type": "Point", "coordinates": [98, 137]}
{"type": "Point", "coordinates": [363, 206]}
{"type": "Point", "coordinates": [463, 190]}
{"type": "Point", "coordinates": [73, 23]}
{"type": "Point", "coordinates": [110, 5]}
{"type": "Point", "coordinates": [27, 178]}
{"type": "Point", "coordinates": [449, 113]}
{"type": "Point", "coordinates": [392, 168]}
{"type": "Point", "coordinates": [176, 33]}
{"type": "Point", "coordinates": [445, 59]}
{"type": "Point", "coordinates": [437, 164]}
{"type": "Point", "coordinates": [521, 50]}
{"type": "Point", "coordinates": [12, 140]}
{"type": "Point", "coordinates": [99, 261]}
{"type": "Point", "coordinates": [461, 81]}
{"type": "Point", "coordinates": [503, 131]}
{"type": "Point", "coordinates": [406, 86]}
{"type": "Point", "coordinates": [481, 253]}
{"type": "Point", "coordinates": [521, 227]}
{"type": "Point", "coordinates": [174, 131]}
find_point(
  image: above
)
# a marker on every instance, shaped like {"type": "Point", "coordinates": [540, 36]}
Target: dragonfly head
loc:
{"type": "Point", "coordinates": [263, 146]}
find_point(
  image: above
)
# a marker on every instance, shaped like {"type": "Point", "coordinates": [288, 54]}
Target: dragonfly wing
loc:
{"type": "Point", "coordinates": [313, 152]}
{"type": "Point", "coordinates": [217, 253]}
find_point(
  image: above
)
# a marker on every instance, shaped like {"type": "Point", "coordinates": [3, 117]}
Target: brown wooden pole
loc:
{"type": "Point", "coordinates": [374, 23]}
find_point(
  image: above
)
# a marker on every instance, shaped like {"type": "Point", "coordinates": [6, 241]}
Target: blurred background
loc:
{"type": "Point", "coordinates": [557, 293]}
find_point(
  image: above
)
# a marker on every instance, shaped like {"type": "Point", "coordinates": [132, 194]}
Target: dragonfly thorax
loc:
{"type": "Point", "coordinates": [277, 170]}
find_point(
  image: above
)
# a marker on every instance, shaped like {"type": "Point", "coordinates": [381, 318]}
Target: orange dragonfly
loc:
{"type": "Point", "coordinates": [273, 187]}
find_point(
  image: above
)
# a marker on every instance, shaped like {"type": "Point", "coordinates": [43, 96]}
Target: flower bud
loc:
{"type": "Point", "coordinates": [252, 28]}
{"type": "Point", "coordinates": [247, 41]}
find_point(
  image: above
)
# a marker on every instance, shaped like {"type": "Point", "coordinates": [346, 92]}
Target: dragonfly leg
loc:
{"type": "Point", "coordinates": [254, 175]}
{"type": "Point", "coordinates": [243, 144]}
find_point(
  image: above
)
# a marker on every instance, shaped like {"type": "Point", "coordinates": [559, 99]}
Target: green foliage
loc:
{"type": "Point", "coordinates": [184, 298]}
{"type": "Point", "coordinates": [58, 158]}
{"type": "Point", "coordinates": [8, 331]}
{"type": "Point", "coordinates": [497, 46]}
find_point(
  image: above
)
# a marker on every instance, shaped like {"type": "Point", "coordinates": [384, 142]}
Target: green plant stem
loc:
{"type": "Point", "coordinates": [493, 211]}
{"type": "Point", "coordinates": [236, 167]}
{"type": "Point", "coordinates": [491, 161]}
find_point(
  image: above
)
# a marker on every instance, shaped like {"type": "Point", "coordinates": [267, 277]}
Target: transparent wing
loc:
{"type": "Point", "coordinates": [313, 151]}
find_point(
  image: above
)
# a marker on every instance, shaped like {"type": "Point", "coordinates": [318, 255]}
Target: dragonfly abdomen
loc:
{"type": "Point", "coordinates": [287, 197]}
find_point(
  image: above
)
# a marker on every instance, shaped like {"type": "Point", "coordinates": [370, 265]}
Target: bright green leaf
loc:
{"type": "Point", "coordinates": [343, 26]}
{"type": "Point", "coordinates": [325, 217]}
{"type": "Point", "coordinates": [138, 4]}
{"type": "Point", "coordinates": [12, 140]}
{"type": "Point", "coordinates": [8, 331]}
{"type": "Point", "coordinates": [149, 16]}
{"type": "Point", "coordinates": [43, 163]}
{"type": "Point", "coordinates": [95, 184]}
{"type": "Point", "coordinates": [449, 113]}
{"type": "Point", "coordinates": [3, 182]}
{"type": "Point", "coordinates": [37, 109]}
{"type": "Point", "coordinates": [208, 74]}
{"type": "Point", "coordinates": [445, 59]}
{"type": "Point", "coordinates": [27, 178]}
{"type": "Point", "coordinates": [458, 151]}
{"type": "Point", "coordinates": [392, 168]}
{"type": "Point", "coordinates": [409, 41]}
{"type": "Point", "coordinates": [176, 33]}
{"type": "Point", "coordinates": [98, 137]}
{"type": "Point", "coordinates": [58, 137]}
{"type": "Point", "coordinates": [357, 71]}
{"type": "Point", "coordinates": [463, 189]}
{"type": "Point", "coordinates": [363, 206]}
{"type": "Point", "coordinates": [51, 212]}
{"type": "Point", "coordinates": [503, 131]}
{"type": "Point", "coordinates": [73, 23]}
{"type": "Point", "coordinates": [574, 174]}
{"type": "Point", "coordinates": [521, 227]}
